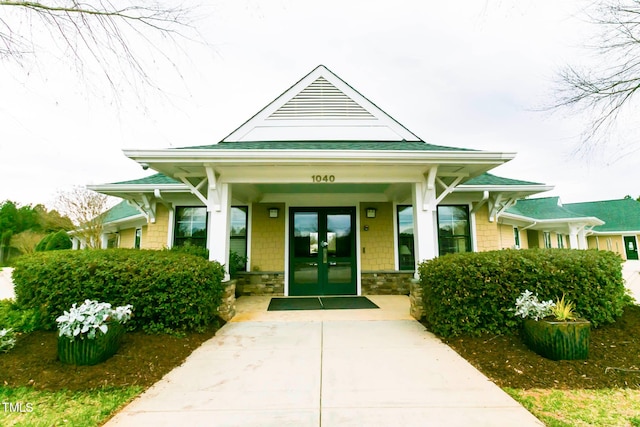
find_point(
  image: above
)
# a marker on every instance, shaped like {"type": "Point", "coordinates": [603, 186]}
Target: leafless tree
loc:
{"type": "Point", "coordinates": [606, 90]}
{"type": "Point", "coordinates": [86, 210]}
{"type": "Point", "coordinates": [117, 36]}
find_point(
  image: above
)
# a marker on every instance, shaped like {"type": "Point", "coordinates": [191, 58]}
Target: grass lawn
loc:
{"type": "Point", "coordinates": [563, 408]}
{"type": "Point", "coordinates": [36, 389]}
{"type": "Point", "coordinates": [603, 390]}
{"type": "Point", "coordinates": [24, 406]}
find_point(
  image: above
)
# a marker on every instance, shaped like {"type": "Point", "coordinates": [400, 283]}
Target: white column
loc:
{"type": "Point", "coordinates": [104, 240]}
{"type": "Point", "coordinates": [219, 208]}
{"type": "Point", "coordinates": [582, 239]}
{"type": "Point", "coordinates": [424, 224]}
{"type": "Point", "coordinates": [577, 237]}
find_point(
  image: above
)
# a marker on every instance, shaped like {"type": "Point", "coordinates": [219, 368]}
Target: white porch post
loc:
{"type": "Point", "coordinates": [577, 237]}
{"type": "Point", "coordinates": [424, 219]}
{"type": "Point", "coordinates": [219, 208]}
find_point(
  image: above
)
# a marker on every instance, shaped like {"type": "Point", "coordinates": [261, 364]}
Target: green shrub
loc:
{"type": "Point", "coordinates": [20, 320]}
{"type": "Point", "coordinates": [473, 293]}
{"type": "Point", "coordinates": [169, 291]}
{"type": "Point", "coordinates": [188, 248]}
{"type": "Point", "coordinates": [59, 241]}
{"type": "Point", "coordinates": [42, 244]}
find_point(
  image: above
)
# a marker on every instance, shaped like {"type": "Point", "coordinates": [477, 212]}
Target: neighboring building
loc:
{"type": "Point", "coordinates": [621, 229]}
{"type": "Point", "coordinates": [325, 194]}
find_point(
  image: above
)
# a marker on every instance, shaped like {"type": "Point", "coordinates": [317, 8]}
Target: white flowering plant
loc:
{"type": "Point", "coordinates": [528, 306]}
{"type": "Point", "coordinates": [7, 339]}
{"type": "Point", "coordinates": [92, 316]}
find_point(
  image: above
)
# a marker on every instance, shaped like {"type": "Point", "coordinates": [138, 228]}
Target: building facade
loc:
{"type": "Point", "coordinates": [323, 193]}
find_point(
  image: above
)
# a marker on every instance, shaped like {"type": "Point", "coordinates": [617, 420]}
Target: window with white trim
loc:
{"type": "Point", "coordinates": [191, 226]}
{"type": "Point", "coordinates": [406, 257]}
{"type": "Point", "coordinates": [454, 229]}
{"type": "Point", "coordinates": [547, 239]}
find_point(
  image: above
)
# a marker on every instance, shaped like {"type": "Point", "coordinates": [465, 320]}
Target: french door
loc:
{"type": "Point", "coordinates": [322, 251]}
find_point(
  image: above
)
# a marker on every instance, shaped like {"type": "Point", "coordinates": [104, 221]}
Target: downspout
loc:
{"type": "Point", "coordinates": [530, 225]}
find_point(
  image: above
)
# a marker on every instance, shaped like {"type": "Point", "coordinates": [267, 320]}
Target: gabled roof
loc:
{"type": "Point", "coordinates": [321, 107]}
{"type": "Point", "coordinates": [487, 179]}
{"type": "Point", "coordinates": [326, 145]}
{"type": "Point", "coordinates": [543, 208]}
{"type": "Point", "coordinates": [157, 178]}
{"type": "Point", "coordinates": [621, 215]}
{"type": "Point", "coordinates": [120, 211]}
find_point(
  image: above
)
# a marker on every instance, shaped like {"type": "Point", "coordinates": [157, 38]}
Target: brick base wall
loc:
{"type": "Point", "coordinates": [227, 308]}
{"type": "Point", "coordinates": [373, 283]}
{"type": "Point", "coordinates": [260, 283]}
{"type": "Point", "coordinates": [386, 282]}
{"type": "Point", "coordinates": [416, 308]}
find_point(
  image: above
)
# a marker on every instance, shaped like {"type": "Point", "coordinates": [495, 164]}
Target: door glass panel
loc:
{"type": "Point", "coordinates": [339, 272]}
{"type": "Point", "coordinates": [339, 235]}
{"type": "Point", "coordinates": [306, 273]}
{"type": "Point", "coordinates": [305, 234]}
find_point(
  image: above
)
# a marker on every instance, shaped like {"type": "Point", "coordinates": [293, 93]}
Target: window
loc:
{"type": "Point", "coordinates": [547, 239]}
{"type": "Point", "coordinates": [560, 241]}
{"type": "Point", "coordinates": [516, 237]}
{"type": "Point", "coordinates": [454, 231]}
{"type": "Point", "coordinates": [406, 258]}
{"type": "Point", "coordinates": [191, 226]}
{"type": "Point", "coordinates": [138, 238]}
{"type": "Point", "coordinates": [238, 240]}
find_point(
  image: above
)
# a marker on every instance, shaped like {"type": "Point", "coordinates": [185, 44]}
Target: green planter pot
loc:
{"type": "Point", "coordinates": [91, 351]}
{"type": "Point", "coordinates": [557, 340]}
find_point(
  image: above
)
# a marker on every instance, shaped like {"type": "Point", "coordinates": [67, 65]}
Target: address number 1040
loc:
{"type": "Point", "coordinates": [323, 178]}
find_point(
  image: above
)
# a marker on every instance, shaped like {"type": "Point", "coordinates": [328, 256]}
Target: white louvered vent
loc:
{"type": "Point", "coordinates": [320, 100]}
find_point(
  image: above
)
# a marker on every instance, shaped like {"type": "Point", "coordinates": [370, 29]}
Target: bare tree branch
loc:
{"type": "Point", "coordinates": [119, 37]}
{"type": "Point", "coordinates": [608, 89]}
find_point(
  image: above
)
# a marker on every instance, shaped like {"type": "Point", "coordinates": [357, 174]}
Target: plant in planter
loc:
{"type": "Point", "coordinates": [7, 339]}
{"type": "Point", "coordinates": [91, 333]}
{"type": "Point", "coordinates": [553, 330]}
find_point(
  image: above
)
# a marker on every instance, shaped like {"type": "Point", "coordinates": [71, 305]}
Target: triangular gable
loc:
{"type": "Point", "coordinates": [321, 107]}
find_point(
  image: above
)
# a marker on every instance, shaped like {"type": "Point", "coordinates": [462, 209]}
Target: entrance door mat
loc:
{"type": "Point", "coordinates": [320, 303]}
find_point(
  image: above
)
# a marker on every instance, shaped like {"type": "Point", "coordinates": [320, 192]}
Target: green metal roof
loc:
{"type": "Point", "coordinates": [154, 179]}
{"type": "Point", "coordinates": [545, 208]}
{"type": "Point", "coordinates": [618, 215]}
{"type": "Point", "coordinates": [327, 145]}
{"type": "Point", "coordinates": [120, 211]}
{"type": "Point", "coordinates": [489, 179]}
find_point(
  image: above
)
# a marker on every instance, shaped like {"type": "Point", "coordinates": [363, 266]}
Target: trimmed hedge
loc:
{"type": "Point", "coordinates": [54, 242]}
{"type": "Point", "coordinates": [474, 293]}
{"type": "Point", "coordinates": [169, 291]}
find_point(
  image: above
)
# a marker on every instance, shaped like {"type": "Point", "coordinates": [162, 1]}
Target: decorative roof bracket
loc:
{"type": "Point", "coordinates": [195, 189]}
{"type": "Point", "coordinates": [447, 189]}
{"type": "Point", "coordinates": [214, 193]}
{"type": "Point", "coordinates": [481, 203]}
{"type": "Point", "coordinates": [429, 189]}
{"type": "Point", "coordinates": [498, 205]}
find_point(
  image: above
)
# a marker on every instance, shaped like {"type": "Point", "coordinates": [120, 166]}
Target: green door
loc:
{"type": "Point", "coordinates": [631, 247]}
{"type": "Point", "coordinates": [322, 251]}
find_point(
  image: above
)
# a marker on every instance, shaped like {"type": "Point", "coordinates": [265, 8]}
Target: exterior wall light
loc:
{"type": "Point", "coordinates": [273, 212]}
{"type": "Point", "coordinates": [371, 212]}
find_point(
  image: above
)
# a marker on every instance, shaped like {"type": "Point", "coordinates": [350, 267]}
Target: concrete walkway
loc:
{"type": "Point", "coordinates": [6, 284]}
{"type": "Point", "coordinates": [324, 368]}
{"type": "Point", "coordinates": [631, 274]}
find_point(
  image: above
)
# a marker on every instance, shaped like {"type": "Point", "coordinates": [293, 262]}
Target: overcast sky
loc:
{"type": "Point", "coordinates": [470, 74]}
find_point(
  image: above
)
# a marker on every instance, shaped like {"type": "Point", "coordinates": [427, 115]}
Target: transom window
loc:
{"type": "Point", "coordinates": [454, 231]}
